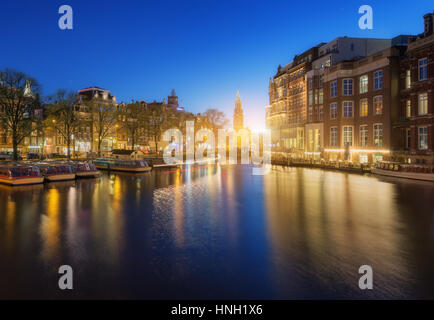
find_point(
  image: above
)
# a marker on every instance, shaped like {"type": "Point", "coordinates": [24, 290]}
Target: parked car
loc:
{"type": "Point", "coordinates": [57, 156]}
{"type": "Point", "coordinates": [8, 156]}
{"type": "Point", "coordinates": [34, 156]}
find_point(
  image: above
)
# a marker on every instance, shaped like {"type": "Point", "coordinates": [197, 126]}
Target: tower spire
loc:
{"type": "Point", "coordinates": [238, 114]}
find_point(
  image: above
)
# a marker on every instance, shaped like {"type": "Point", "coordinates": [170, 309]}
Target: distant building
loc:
{"type": "Point", "coordinates": [238, 114]}
{"type": "Point", "coordinates": [172, 102]}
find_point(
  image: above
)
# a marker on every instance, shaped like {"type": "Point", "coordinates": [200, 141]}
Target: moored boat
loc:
{"type": "Point", "coordinates": [56, 171]}
{"type": "Point", "coordinates": [406, 171]}
{"type": "Point", "coordinates": [122, 165]}
{"type": "Point", "coordinates": [85, 170]}
{"type": "Point", "coordinates": [18, 175]}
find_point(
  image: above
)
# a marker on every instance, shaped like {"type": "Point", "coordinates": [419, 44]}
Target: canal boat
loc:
{"type": "Point", "coordinates": [406, 171]}
{"type": "Point", "coordinates": [136, 166]}
{"type": "Point", "coordinates": [18, 175]}
{"type": "Point", "coordinates": [85, 170]}
{"type": "Point", "coordinates": [56, 171]}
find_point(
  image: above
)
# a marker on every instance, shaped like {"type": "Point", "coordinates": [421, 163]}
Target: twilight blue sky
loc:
{"type": "Point", "coordinates": [205, 49]}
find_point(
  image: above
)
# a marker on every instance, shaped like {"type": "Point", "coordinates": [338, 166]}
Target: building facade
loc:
{"type": "Point", "coordinates": [286, 112]}
{"type": "Point", "coordinates": [295, 114]}
{"type": "Point", "coordinates": [414, 127]}
{"type": "Point", "coordinates": [360, 99]}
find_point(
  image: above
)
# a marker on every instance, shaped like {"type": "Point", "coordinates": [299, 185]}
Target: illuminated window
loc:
{"type": "Point", "coordinates": [348, 136]}
{"type": "Point", "coordinates": [408, 109]}
{"type": "Point", "coordinates": [408, 79]}
{"type": "Point", "coordinates": [423, 138]}
{"type": "Point", "coordinates": [364, 108]}
{"type": "Point", "coordinates": [378, 105]}
{"type": "Point", "coordinates": [333, 136]}
{"type": "Point", "coordinates": [321, 96]}
{"type": "Point", "coordinates": [348, 109]}
{"type": "Point", "coordinates": [363, 136]}
{"type": "Point", "coordinates": [423, 103]}
{"type": "Point", "coordinates": [347, 85]}
{"type": "Point", "coordinates": [364, 84]}
{"type": "Point", "coordinates": [378, 135]}
{"type": "Point", "coordinates": [423, 69]}
{"type": "Point", "coordinates": [333, 110]}
{"type": "Point", "coordinates": [310, 97]}
{"type": "Point", "coordinates": [378, 80]}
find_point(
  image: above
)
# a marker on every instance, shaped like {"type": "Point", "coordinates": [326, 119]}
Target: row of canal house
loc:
{"type": "Point", "coordinates": [356, 99]}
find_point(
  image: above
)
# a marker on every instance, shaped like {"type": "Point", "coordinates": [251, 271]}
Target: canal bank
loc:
{"type": "Point", "coordinates": [336, 166]}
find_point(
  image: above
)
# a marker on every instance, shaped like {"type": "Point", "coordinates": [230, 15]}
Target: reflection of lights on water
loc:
{"type": "Point", "coordinates": [189, 169]}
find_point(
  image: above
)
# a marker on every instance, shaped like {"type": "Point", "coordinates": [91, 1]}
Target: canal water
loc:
{"type": "Point", "coordinates": [219, 232]}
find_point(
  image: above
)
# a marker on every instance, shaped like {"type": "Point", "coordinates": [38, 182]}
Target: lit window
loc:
{"type": "Point", "coordinates": [378, 135]}
{"type": "Point", "coordinates": [423, 138]}
{"type": "Point", "coordinates": [321, 96]}
{"type": "Point", "coordinates": [347, 87]}
{"type": "Point", "coordinates": [408, 109]}
{"type": "Point", "coordinates": [364, 108]}
{"type": "Point", "coordinates": [378, 105]}
{"type": "Point", "coordinates": [348, 109]}
{"type": "Point", "coordinates": [333, 89]}
{"type": "Point", "coordinates": [316, 96]}
{"type": "Point", "coordinates": [423, 103]}
{"type": "Point", "coordinates": [333, 110]}
{"type": "Point", "coordinates": [333, 136]}
{"type": "Point", "coordinates": [423, 69]}
{"type": "Point", "coordinates": [363, 136]}
{"type": "Point", "coordinates": [408, 79]}
{"type": "Point", "coordinates": [364, 84]}
{"type": "Point", "coordinates": [378, 80]}
{"type": "Point", "coordinates": [348, 136]}
{"type": "Point", "coordinates": [310, 97]}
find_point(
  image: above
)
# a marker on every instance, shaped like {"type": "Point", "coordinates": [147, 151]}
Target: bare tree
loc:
{"type": "Point", "coordinates": [135, 121]}
{"type": "Point", "coordinates": [214, 119]}
{"type": "Point", "coordinates": [103, 117]}
{"type": "Point", "coordinates": [62, 116]}
{"type": "Point", "coordinates": [155, 119]}
{"type": "Point", "coordinates": [17, 105]}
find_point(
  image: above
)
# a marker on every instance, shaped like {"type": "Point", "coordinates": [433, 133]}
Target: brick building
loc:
{"type": "Point", "coordinates": [361, 98]}
{"type": "Point", "coordinates": [414, 127]}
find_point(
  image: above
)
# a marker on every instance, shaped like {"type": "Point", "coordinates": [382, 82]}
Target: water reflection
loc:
{"type": "Point", "coordinates": [218, 232]}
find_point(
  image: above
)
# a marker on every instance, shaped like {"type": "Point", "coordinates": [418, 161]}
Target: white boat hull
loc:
{"type": "Point", "coordinates": [21, 181]}
{"type": "Point", "coordinates": [406, 175]}
{"type": "Point", "coordinates": [60, 177]}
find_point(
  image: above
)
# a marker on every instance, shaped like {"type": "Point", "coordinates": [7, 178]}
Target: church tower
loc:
{"type": "Point", "coordinates": [238, 114]}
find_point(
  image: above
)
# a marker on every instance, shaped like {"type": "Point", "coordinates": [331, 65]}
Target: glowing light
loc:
{"type": "Point", "coordinates": [359, 150]}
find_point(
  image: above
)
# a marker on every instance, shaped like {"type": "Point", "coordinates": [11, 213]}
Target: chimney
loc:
{"type": "Point", "coordinates": [428, 24]}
